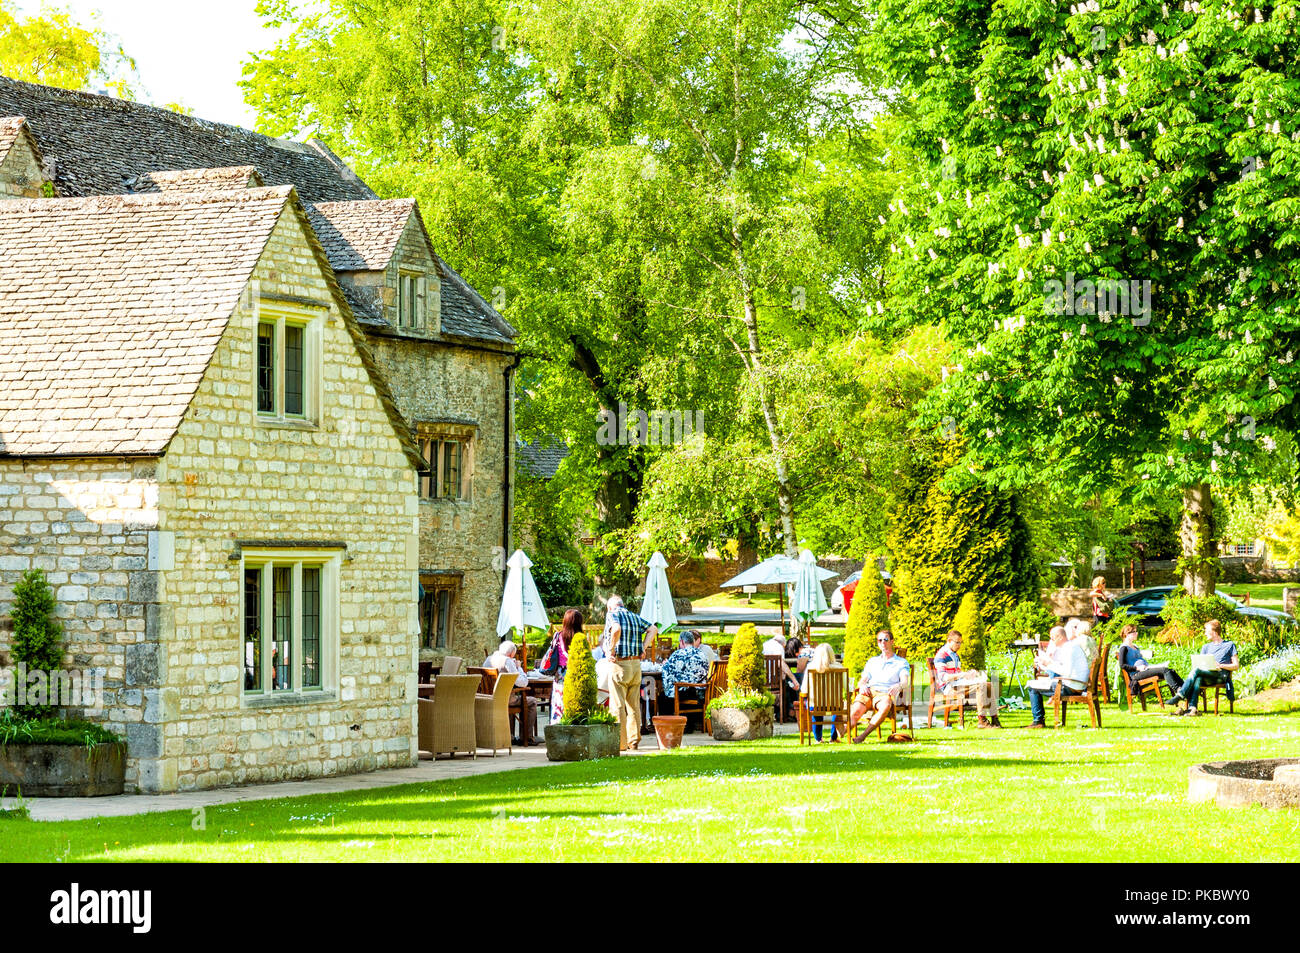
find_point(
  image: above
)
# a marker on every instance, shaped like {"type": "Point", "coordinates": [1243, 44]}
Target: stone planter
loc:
{"type": "Point", "coordinates": [581, 742]}
{"type": "Point", "coordinates": [736, 724]}
{"type": "Point", "coordinates": [669, 730]}
{"type": "Point", "coordinates": [63, 770]}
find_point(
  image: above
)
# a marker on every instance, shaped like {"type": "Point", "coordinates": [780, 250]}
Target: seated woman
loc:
{"type": "Point", "coordinates": [1223, 658]}
{"type": "Point", "coordinates": [1137, 669]}
{"type": "Point", "coordinates": [823, 660]}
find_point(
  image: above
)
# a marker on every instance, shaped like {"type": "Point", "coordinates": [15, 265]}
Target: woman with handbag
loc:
{"type": "Point", "coordinates": [1101, 602]}
{"type": "Point", "coordinates": [556, 661]}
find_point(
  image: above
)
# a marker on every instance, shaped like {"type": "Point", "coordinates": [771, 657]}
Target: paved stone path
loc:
{"type": "Point", "coordinates": [123, 805]}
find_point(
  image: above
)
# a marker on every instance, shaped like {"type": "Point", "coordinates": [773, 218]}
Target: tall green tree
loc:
{"type": "Point", "coordinates": [1104, 218]}
{"type": "Point", "coordinates": [53, 49]}
{"type": "Point", "coordinates": [950, 542]}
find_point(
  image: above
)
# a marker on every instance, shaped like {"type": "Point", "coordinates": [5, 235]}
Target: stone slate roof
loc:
{"type": "Point", "coordinates": [99, 143]}
{"type": "Point", "coordinates": [542, 457]}
{"type": "Point", "coordinates": [202, 180]}
{"type": "Point", "coordinates": [106, 146]}
{"type": "Point", "coordinates": [363, 236]}
{"type": "Point", "coordinates": [13, 128]}
{"type": "Point", "coordinates": [111, 308]}
{"type": "Point", "coordinates": [360, 236]}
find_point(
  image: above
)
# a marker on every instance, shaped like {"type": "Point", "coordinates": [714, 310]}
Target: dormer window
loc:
{"type": "Point", "coordinates": [410, 301]}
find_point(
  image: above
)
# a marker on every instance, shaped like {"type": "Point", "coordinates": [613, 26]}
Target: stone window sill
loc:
{"type": "Point", "coordinates": [287, 699]}
{"type": "Point", "coordinates": [445, 500]}
{"type": "Point", "coordinates": [285, 423]}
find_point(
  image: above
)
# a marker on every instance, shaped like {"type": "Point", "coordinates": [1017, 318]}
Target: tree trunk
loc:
{"type": "Point", "coordinates": [620, 486]}
{"type": "Point", "coordinates": [1199, 565]}
{"type": "Point", "coordinates": [784, 495]}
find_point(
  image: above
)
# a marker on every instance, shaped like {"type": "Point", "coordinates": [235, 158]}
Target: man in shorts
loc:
{"type": "Point", "coordinates": [884, 679]}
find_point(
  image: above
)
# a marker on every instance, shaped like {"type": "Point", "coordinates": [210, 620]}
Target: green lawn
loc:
{"type": "Point", "coordinates": [1262, 595]}
{"type": "Point", "coordinates": [735, 599]}
{"type": "Point", "coordinates": [1070, 794]}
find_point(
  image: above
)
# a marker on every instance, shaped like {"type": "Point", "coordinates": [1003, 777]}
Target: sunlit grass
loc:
{"type": "Point", "coordinates": [1069, 794]}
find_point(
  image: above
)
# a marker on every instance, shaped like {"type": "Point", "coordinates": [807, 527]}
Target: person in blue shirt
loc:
{"type": "Point", "coordinates": [1225, 662]}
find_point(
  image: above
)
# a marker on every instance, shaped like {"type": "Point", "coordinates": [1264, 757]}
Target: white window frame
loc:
{"type": "Point", "coordinates": [282, 316]}
{"type": "Point", "coordinates": [267, 560]}
{"type": "Point", "coordinates": [411, 310]}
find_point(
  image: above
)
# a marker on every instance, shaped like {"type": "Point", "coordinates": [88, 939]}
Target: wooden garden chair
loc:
{"type": "Point", "coordinates": [717, 685]}
{"type": "Point", "coordinates": [1091, 695]}
{"type": "Point", "coordinates": [947, 701]}
{"type": "Point", "coordinates": [1219, 689]}
{"type": "Point", "coordinates": [905, 704]}
{"type": "Point", "coordinates": [776, 684]}
{"type": "Point", "coordinates": [828, 696]}
{"type": "Point", "coordinates": [690, 706]}
{"type": "Point", "coordinates": [1151, 683]}
{"type": "Point", "coordinates": [1103, 682]}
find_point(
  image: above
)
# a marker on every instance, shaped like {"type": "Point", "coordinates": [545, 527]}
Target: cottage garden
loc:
{"type": "Point", "coordinates": [264, 451]}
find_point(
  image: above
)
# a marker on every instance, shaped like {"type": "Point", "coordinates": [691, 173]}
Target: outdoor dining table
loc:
{"type": "Point", "coordinates": [1020, 645]}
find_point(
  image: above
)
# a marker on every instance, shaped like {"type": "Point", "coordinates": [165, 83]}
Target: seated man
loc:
{"type": "Point", "coordinates": [705, 650]}
{"type": "Point", "coordinates": [503, 660]}
{"type": "Point", "coordinates": [1066, 664]}
{"type": "Point", "coordinates": [1223, 658]}
{"type": "Point", "coordinates": [953, 679]}
{"type": "Point", "coordinates": [1136, 668]}
{"type": "Point", "coordinates": [884, 679]}
{"type": "Point", "coordinates": [775, 647]}
{"type": "Point", "coordinates": [687, 664]}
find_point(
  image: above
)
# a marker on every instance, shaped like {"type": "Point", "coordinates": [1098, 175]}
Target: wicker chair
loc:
{"type": "Point", "coordinates": [492, 718]}
{"type": "Point", "coordinates": [447, 720]}
{"type": "Point", "coordinates": [452, 664]}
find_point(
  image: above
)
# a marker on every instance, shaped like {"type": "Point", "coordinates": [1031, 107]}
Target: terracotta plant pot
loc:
{"type": "Point", "coordinates": [669, 730]}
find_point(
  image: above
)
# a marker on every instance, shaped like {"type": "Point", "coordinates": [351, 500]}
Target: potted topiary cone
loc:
{"type": "Point", "coordinates": [586, 730]}
{"type": "Point", "coordinates": [744, 711]}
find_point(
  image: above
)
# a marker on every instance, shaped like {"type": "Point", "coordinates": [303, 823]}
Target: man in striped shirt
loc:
{"type": "Point", "coordinates": [624, 643]}
{"type": "Point", "coordinates": [953, 680]}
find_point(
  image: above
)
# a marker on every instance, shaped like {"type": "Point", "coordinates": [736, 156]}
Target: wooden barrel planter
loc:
{"type": "Point", "coordinates": [43, 770]}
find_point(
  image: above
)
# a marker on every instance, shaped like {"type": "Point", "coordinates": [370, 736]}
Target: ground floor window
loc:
{"type": "Point", "coordinates": [437, 608]}
{"type": "Point", "coordinates": [290, 620]}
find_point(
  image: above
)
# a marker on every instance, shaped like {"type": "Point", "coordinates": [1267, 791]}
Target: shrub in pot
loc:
{"type": "Point", "coordinates": [586, 730]}
{"type": "Point", "coordinates": [42, 755]}
{"type": "Point", "coordinates": [744, 711]}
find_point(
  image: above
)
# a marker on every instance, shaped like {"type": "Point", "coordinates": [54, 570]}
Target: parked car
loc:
{"type": "Point", "coordinates": [842, 598]}
{"type": "Point", "coordinates": [1149, 603]}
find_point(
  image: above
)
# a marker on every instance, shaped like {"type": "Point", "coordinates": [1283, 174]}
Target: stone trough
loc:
{"type": "Point", "coordinates": [1271, 782]}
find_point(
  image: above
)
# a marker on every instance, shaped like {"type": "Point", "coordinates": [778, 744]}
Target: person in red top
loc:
{"type": "Point", "coordinates": [952, 678]}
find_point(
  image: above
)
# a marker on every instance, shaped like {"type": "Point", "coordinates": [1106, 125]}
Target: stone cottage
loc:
{"type": "Point", "coordinates": [224, 360]}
